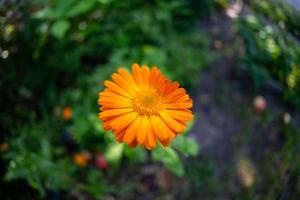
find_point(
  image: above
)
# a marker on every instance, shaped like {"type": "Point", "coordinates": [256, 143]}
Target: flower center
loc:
{"type": "Point", "coordinates": [146, 102]}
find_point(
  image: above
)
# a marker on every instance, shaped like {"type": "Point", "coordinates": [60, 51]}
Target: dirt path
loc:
{"type": "Point", "coordinates": [243, 145]}
{"type": "Point", "coordinates": [217, 96]}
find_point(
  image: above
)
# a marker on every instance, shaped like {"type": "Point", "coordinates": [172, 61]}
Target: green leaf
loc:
{"type": "Point", "coordinates": [57, 11]}
{"type": "Point", "coordinates": [59, 28]}
{"type": "Point", "coordinates": [136, 154]}
{"type": "Point", "coordinates": [46, 147]}
{"type": "Point", "coordinates": [169, 158]}
{"type": "Point", "coordinates": [185, 145]}
{"type": "Point", "coordinates": [114, 153]}
{"type": "Point", "coordinates": [80, 8]}
{"type": "Point", "coordinates": [189, 125]}
{"type": "Point", "coordinates": [45, 13]}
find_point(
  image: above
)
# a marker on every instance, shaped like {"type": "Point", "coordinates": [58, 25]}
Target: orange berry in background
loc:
{"type": "Point", "coordinates": [260, 103]}
{"type": "Point", "coordinates": [67, 113]}
{"type": "Point", "coordinates": [80, 159]}
{"type": "Point", "coordinates": [4, 147]}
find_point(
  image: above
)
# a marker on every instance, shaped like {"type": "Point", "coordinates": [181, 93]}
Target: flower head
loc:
{"type": "Point", "coordinates": [80, 159]}
{"type": "Point", "coordinates": [144, 107]}
{"type": "Point", "coordinates": [4, 147]}
{"type": "Point", "coordinates": [67, 113]}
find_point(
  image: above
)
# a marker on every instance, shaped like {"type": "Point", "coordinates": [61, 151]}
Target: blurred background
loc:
{"type": "Point", "coordinates": [239, 60]}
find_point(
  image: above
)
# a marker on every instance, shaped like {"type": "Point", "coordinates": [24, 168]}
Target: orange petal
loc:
{"type": "Point", "coordinates": [120, 135]}
{"type": "Point", "coordinates": [165, 143]}
{"type": "Point", "coordinates": [175, 95]}
{"type": "Point", "coordinates": [180, 115]}
{"type": "Point", "coordinates": [178, 105]}
{"type": "Point", "coordinates": [151, 139]}
{"type": "Point", "coordinates": [162, 85]}
{"type": "Point", "coordinates": [128, 77]}
{"type": "Point", "coordinates": [108, 104]}
{"type": "Point", "coordinates": [154, 76]}
{"type": "Point", "coordinates": [172, 123]}
{"type": "Point", "coordinates": [144, 130]}
{"type": "Point", "coordinates": [122, 82]}
{"type": "Point", "coordinates": [106, 123]}
{"type": "Point", "coordinates": [117, 89]}
{"type": "Point", "coordinates": [145, 74]}
{"type": "Point", "coordinates": [172, 87]}
{"type": "Point", "coordinates": [106, 127]}
{"type": "Point", "coordinates": [132, 144]}
{"type": "Point", "coordinates": [137, 74]}
{"type": "Point", "coordinates": [160, 128]}
{"type": "Point", "coordinates": [114, 112]}
{"type": "Point", "coordinates": [132, 130]}
{"type": "Point", "coordinates": [123, 121]}
{"type": "Point", "coordinates": [115, 99]}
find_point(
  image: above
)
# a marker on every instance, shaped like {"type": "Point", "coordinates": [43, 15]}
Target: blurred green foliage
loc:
{"type": "Point", "coordinates": [272, 57]}
{"type": "Point", "coordinates": [271, 54]}
{"type": "Point", "coordinates": [33, 158]}
{"type": "Point", "coordinates": [58, 53]}
{"type": "Point", "coordinates": [281, 12]}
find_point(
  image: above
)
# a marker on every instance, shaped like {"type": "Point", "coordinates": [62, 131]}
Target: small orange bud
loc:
{"type": "Point", "coordinates": [67, 113]}
{"type": "Point", "coordinates": [80, 160]}
{"type": "Point", "coordinates": [4, 147]}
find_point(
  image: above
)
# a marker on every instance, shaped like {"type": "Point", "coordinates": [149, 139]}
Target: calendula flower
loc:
{"type": "Point", "coordinates": [144, 107]}
{"type": "Point", "coordinates": [67, 113]}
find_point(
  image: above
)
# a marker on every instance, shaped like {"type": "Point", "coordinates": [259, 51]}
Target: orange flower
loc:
{"type": "Point", "coordinates": [143, 107]}
{"type": "Point", "coordinates": [80, 159]}
{"type": "Point", "coordinates": [4, 147]}
{"type": "Point", "coordinates": [67, 113]}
